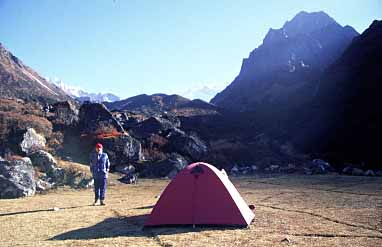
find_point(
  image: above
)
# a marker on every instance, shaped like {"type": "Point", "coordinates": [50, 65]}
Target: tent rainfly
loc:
{"type": "Point", "coordinates": [200, 194]}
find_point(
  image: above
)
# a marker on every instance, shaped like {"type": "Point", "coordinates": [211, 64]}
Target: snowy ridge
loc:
{"type": "Point", "coordinates": [81, 95]}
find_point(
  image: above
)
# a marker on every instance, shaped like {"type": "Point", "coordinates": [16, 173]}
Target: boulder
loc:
{"type": "Point", "coordinates": [347, 170]}
{"type": "Point", "coordinates": [85, 183]}
{"type": "Point", "coordinates": [189, 145]}
{"type": "Point", "coordinates": [32, 141]}
{"type": "Point", "coordinates": [125, 169]}
{"type": "Point", "coordinates": [290, 168]}
{"type": "Point", "coordinates": [274, 168]}
{"type": "Point", "coordinates": [42, 185]}
{"type": "Point", "coordinates": [357, 172]}
{"type": "Point", "coordinates": [47, 164]}
{"type": "Point", "coordinates": [172, 173]}
{"type": "Point", "coordinates": [129, 178]}
{"type": "Point", "coordinates": [152, 125]}
{"type": "Point", "coordinates": [378, 173]}
{"type": "Point", "coordinates": [254, 168]}
{"type": "Point", "coordinates": [245, 170]}
{"type": "Point", "coordinates": [234, 170]}
{"type": "Point", "coordinates": [122, 150]}
{"type": "Point", "coordinates": [96, 118]}
{"type": "Point", "coordinates": [172, 118]}
{"type": "Point", "coordinates": [17, 178]}
{"type": "Point", "coordinates": [65, 114]}
{"type": "Point", "coordinates": [319, 166]}
{"type": "Point", "coordinates": [369, 173]}
{"type": "Point", "coordinates": [164, 167]}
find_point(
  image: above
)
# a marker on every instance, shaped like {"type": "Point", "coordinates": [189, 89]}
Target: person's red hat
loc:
{"type": "Point", "coordinates": [99, 145]}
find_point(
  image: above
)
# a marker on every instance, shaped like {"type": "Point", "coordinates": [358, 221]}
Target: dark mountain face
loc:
{"type": "Point", "coordinates": [19, 81]}
{"type": "Point", "coordinates": [288, 60]}
{"type": "Point", "coordinates": [345, 118]}
{"type": "Point", "coordinates": [157, 104]}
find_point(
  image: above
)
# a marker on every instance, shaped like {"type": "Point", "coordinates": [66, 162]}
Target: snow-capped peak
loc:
{"type": "Point", "coordinates": [80, 94]}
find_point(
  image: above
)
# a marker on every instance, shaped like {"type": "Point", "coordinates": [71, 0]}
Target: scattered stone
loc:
{"type": "Point", "coordinates": [369, 173]}
{"type": "Point", "coordinates": [274, 168]}
{"type": "Point", "coordinates": [245, 170]}
{"type": "Point", "coordinates": [290, 168]}
{"type": "Point", "coordinates": [357, 172]}
{"type": "Point", "coordinates": [378, 173]}
{"type": "Point", "coordinates": [347, 170]}
{"type": "Point", "coordinates": [32, 141]}
{"type": "Point", "coordinates": [286, 240]}
{"type": "Point", "coordinates": [42, 185]}
{"type": "Point", "coordinates": [85, 183]}
{"type": "Point", "coordinates": [307, 171]}
{"type": "Point", "coordinates": [319, 166]}
{"type": "Point", "coordinates": [17, 178]}
{"type": "Point", "coordinates": [125, 169]}
{"type": "Point", "coordinates": [129, 179]}
{"type": "Point", "coordinates": [235, 170]}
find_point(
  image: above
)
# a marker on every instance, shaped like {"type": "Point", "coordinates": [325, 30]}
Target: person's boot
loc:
{"type": "Point", "coordinates": [102, 203]}
{"type": "Point", "coordinates": [95, 202]}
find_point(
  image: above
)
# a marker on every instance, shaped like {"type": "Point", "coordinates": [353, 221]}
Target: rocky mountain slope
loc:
{"type": "Point", "coordinates": [20, 81]}
{"type": "Point", "coordinates": [344, 119]}
{"type": "Point", "coordinates": [288, 59]}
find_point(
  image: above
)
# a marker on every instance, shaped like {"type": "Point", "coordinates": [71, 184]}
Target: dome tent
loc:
{"type": "Point", "coordinates": [200, 194]}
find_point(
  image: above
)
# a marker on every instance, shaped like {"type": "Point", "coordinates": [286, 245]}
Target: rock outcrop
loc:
{"type": "Point", "coordinates": [152, 125]}
{"type": "Point", "coordinates": [187, 144]}
{"type": "Point", "coordinates": [47, 164]}
{"type": "Point", "coordinates": [65, 113]}
{"type": "Point", "coordinates": [122, 150]}
{"type": "Point", "coordinates": [168, 167]}
{"type": "Point", "coordinates": [96, 118]}
{"type": "Point", "coordinates": [16, 178]}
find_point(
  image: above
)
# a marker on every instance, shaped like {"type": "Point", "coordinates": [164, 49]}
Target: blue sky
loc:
{"type": "Point", "coordinates": [130, 47]}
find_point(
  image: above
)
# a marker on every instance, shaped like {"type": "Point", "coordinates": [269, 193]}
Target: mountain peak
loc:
{"type": "Point", "coordinates": [289, 58]}
{"type": "Point", "coordinates": [305, 22]}
{"type": "Point", "coordinates": [376, 26]}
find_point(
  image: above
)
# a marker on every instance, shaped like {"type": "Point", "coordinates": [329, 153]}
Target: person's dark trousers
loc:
{"type": "Point", "coordinates": [100, 183]}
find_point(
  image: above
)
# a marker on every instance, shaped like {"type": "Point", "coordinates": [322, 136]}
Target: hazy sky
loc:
{"type": "Point", "coordinates": [130, 47]}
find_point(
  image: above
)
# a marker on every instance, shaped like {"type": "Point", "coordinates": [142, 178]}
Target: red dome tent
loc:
{"type": "Point", "coordinates": [200, 195]}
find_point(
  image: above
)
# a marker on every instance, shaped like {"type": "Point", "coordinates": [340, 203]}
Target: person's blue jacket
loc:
{"type": "Point", "coordinates": [99, 166]}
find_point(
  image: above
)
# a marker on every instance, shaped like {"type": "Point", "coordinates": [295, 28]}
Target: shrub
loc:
{"type": "Point", "coordinates": [12, 122]}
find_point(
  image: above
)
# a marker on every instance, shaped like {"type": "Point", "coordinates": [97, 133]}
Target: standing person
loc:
{"type": "Point", "coordinates": [99, 166]}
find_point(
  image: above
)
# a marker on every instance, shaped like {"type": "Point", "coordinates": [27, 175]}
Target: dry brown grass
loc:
{"type": "Point", "coordinates": [307, 210]}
